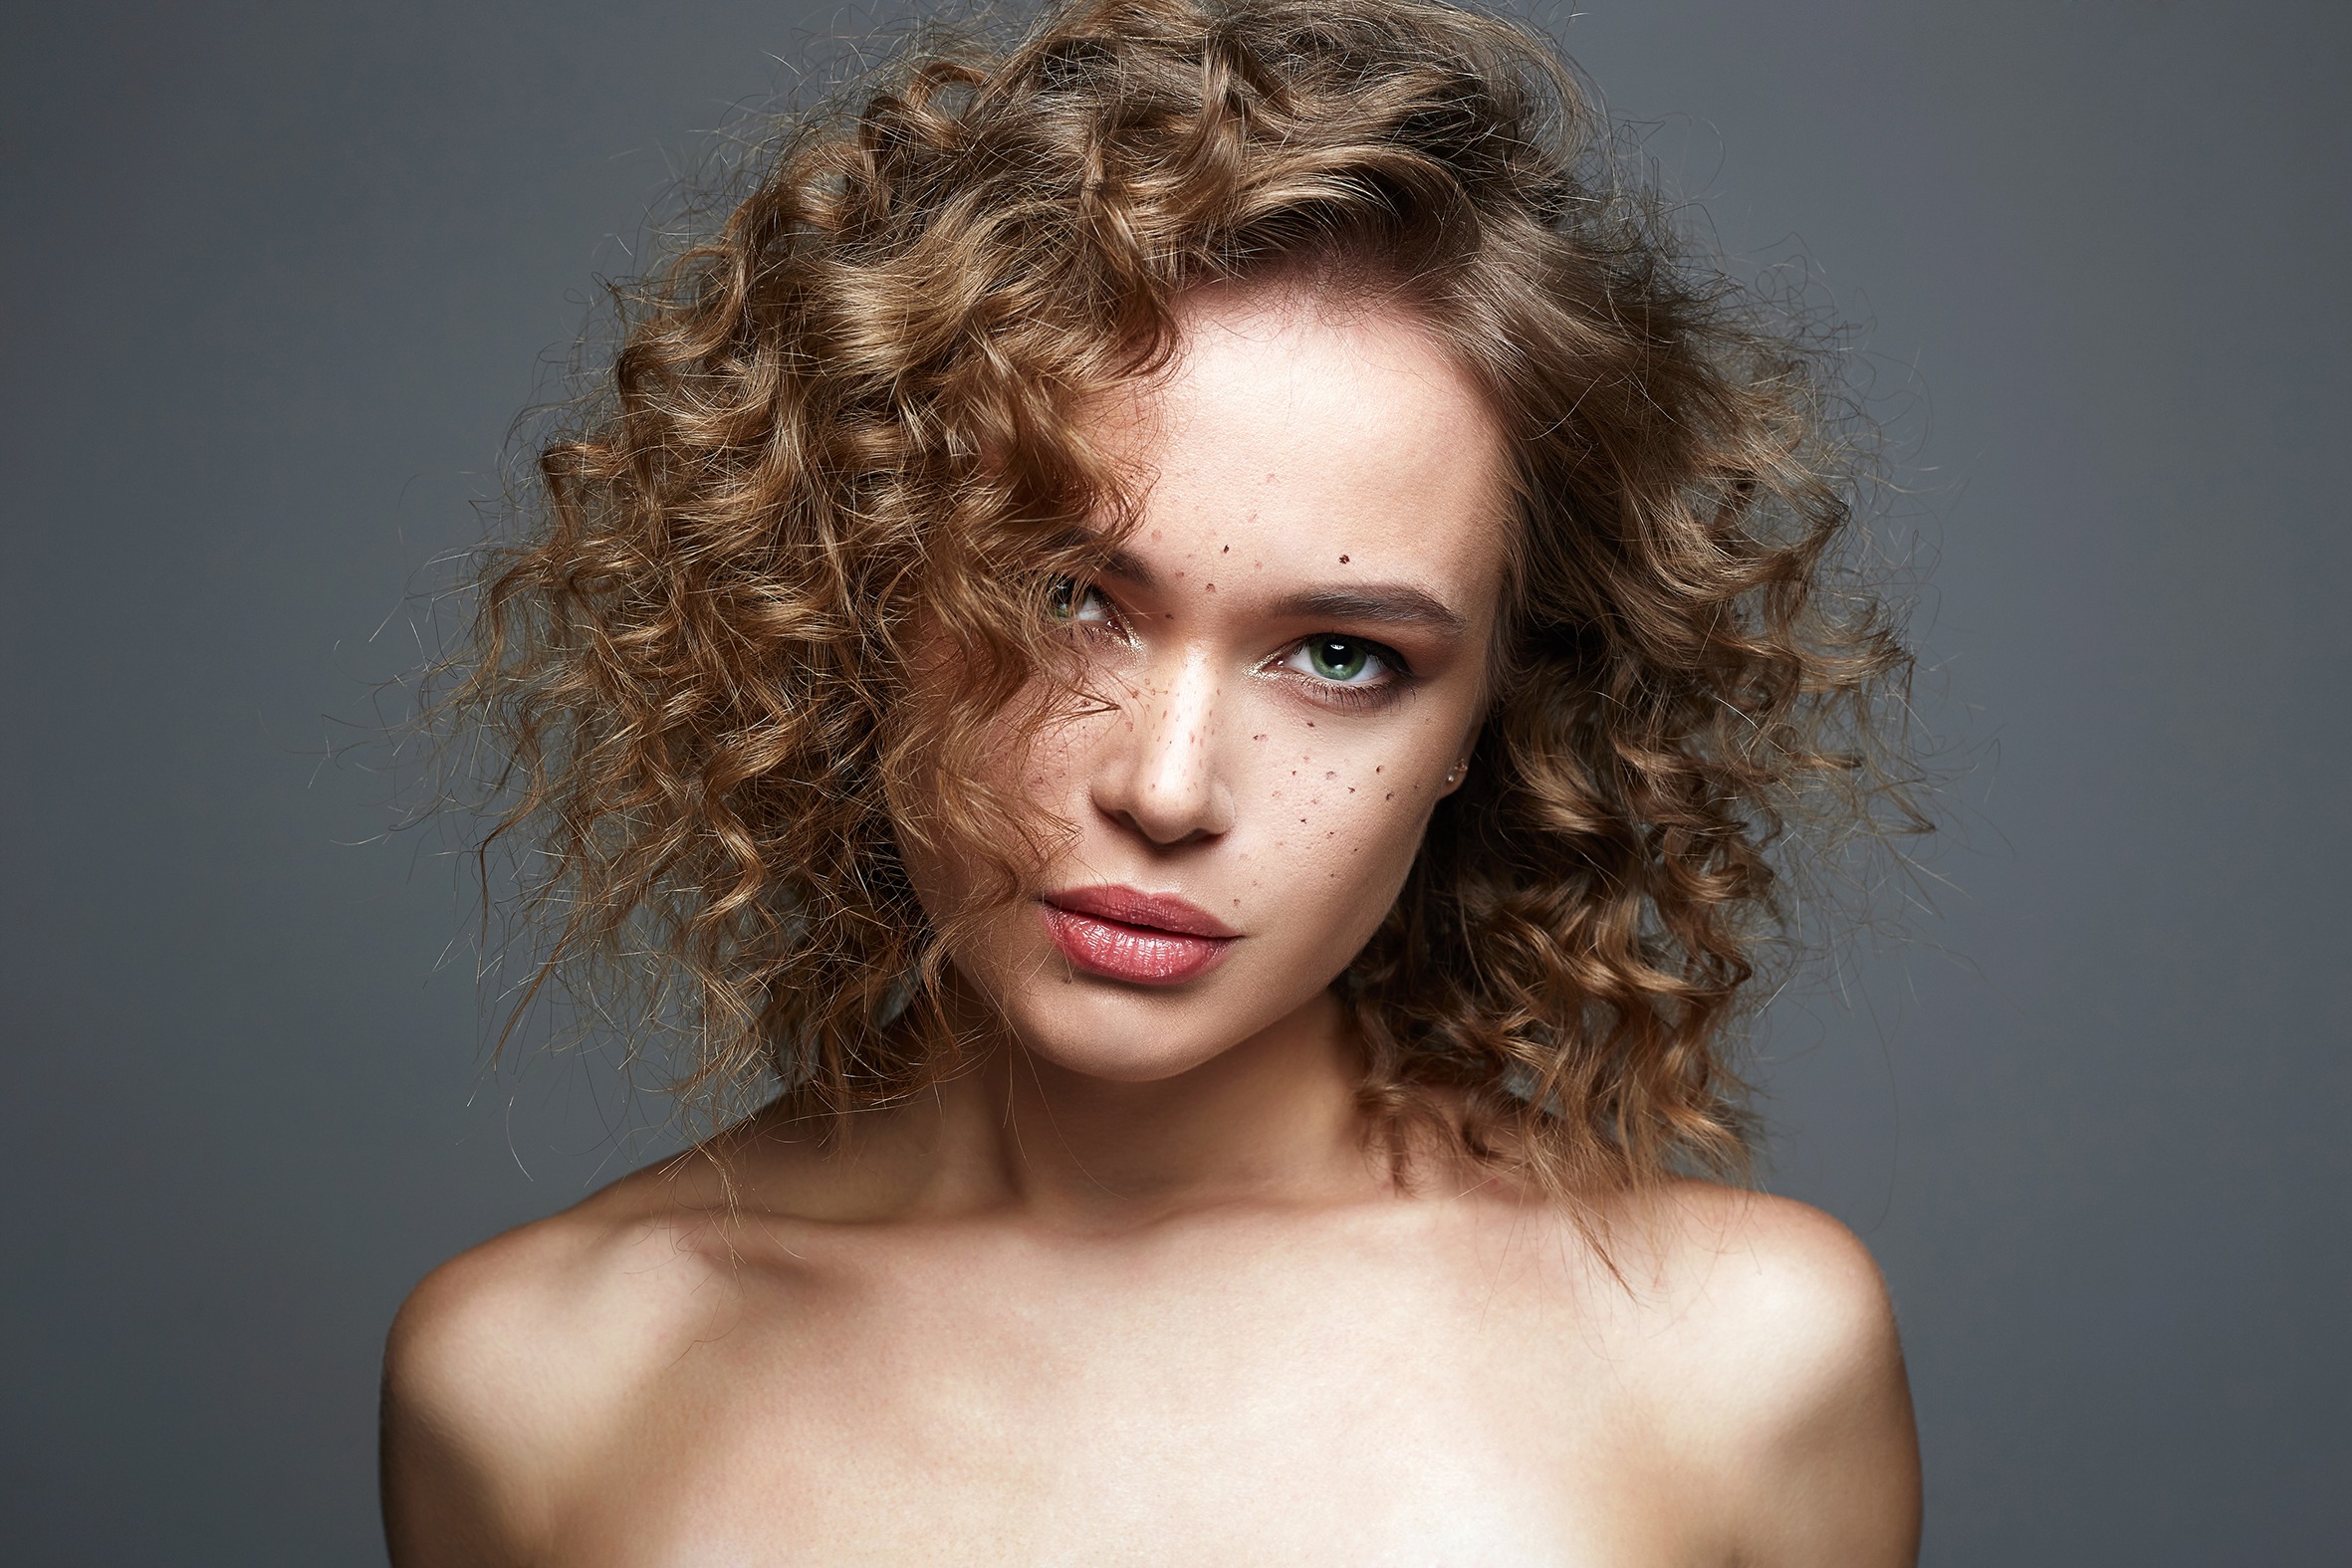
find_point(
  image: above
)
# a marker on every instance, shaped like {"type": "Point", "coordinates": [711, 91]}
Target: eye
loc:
{"type": "Point", "coordinates": [1085, 609]}
{"type": "Point", "coordinates": [1345, 661]}
{"type": "Point", "coordinates": [1089, 614]}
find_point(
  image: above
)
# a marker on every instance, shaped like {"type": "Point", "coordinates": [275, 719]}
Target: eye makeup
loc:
{"type": "Point", "coordinates": [1333, 668]}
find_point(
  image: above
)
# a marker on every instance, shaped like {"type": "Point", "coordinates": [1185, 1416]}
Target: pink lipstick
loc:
{"type": "Point", "coordinates": [1145, 939]}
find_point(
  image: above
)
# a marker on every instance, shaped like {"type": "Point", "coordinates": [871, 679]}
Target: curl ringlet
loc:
{"type": "Point", "coordinates": [851, 421]}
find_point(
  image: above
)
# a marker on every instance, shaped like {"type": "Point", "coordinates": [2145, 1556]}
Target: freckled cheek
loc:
{"type": "Point", "coordinates": [1052, 772]}
{"type": "Point", "coordinates": [1061, 759]}
{"type": "Point", "coordinates": [1048, 776]}
{"type": "Point", "coordinates": [1335, 834]}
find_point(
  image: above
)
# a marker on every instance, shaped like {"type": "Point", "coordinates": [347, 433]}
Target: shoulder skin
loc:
{"type": "Point", "coordinates": [1783, 1377]}
{"type": "Point", "coordinates": [510, 1365]}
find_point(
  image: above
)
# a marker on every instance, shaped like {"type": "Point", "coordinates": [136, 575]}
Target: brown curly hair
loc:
{"type": "Point", "coordinates": [853, 411]}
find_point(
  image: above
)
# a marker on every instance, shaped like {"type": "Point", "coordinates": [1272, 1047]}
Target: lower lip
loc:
{"type": "Point", "coordinates": [1139, 954]}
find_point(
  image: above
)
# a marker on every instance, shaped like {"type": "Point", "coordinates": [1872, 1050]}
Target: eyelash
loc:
{"type": "Point", "coordinates": [1113, 624]}
{"type": "Point", "coordinates": [1343, 692]}
{"type": "Point", "coordinates": [1068, 604]}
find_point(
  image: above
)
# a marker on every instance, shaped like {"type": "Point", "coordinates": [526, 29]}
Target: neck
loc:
{"type": "Point", "coordinates": [1273, 1118]}
{"type": "Point", "coordinates": [1270, 1120]}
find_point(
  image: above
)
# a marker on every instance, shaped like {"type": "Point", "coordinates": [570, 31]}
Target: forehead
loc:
{"type": "Point", "coordinates": [1326, 438]}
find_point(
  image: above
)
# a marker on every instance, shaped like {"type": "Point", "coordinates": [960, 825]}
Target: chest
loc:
{"type": "Point", "coordinates": [1318, 1410]}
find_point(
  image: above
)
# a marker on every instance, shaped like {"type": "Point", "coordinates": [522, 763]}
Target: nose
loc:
{"type": "Point", "coordinates": [1158, 773]}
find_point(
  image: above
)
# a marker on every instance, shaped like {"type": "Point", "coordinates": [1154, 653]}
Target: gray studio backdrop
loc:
{"type": "Point", "coordinates": [278, 277]}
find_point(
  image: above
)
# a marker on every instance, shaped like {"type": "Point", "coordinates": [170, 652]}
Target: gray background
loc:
{"type": "Point", "coordinates": [279, 277]}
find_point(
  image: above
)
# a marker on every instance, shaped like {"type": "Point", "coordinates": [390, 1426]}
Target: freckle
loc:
{"type": "Point", "coordinates": [1227, 550]}
{"type": "Point", "coordinates": [1375, 770]}
{"type": "Point", "coordinates": [1330, 776]}
{"type": "Point", "coordinates": [1256, 737]}
{"type": "Point", "coordinates": [1351, 789]}
{"type": "Point", "coordinates": [1212, 587]}
{"type": "Point", "coordinates": [1390, 796]}
{"type": "Point", "coordinates": [1344, 560]}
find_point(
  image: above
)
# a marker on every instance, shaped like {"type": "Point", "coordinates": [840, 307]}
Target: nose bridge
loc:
{"type": "Point", "coordinates": [1173, 785]}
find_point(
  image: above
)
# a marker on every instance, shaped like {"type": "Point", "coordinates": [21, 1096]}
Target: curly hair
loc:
{"type": "Point", "coordinates": [852, 412]}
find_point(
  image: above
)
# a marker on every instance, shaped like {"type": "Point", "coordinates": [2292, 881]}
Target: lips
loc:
{"type": "Point", "coordinates": [1144, 939]}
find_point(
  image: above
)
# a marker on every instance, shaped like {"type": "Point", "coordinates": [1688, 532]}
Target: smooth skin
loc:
{"type": "Point", "coordinates": [1135, 1289]}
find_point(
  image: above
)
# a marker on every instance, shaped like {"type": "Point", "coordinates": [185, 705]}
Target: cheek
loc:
{"type": "Point", "coordinates": [1051, 774]}
{"type": "Point", "coordinates": [1048, 777]}
{"type": "Point", "coordinates": [1336, 836]}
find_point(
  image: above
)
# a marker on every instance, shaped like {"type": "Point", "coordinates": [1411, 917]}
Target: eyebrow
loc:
{"type": "Point", "coordinates": [1383, 604]}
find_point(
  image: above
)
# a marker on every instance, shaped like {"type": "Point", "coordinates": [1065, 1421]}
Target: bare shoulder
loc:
{"type": "Point", "coordinates": [510, 1365]}
{"type": "Point", "coordinates": [1789, 1385]}
{"type": "Point", "coordinates": [1768, 1281]}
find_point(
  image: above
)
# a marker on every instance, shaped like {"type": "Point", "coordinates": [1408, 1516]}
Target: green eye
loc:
{"type": "Point", "coordinates": [1348, 665]}
{"type": "Point", "coordinates": [1338, 658]}
{"type": "Point", "coordinates": [1064, 602]}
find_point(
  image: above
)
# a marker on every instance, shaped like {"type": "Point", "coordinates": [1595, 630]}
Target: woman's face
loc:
{"type": "Point", "coordinates": [1292, 648]}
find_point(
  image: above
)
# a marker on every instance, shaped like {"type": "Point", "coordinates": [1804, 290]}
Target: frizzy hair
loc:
{"type": "Point", "coordinates": [848, 419]}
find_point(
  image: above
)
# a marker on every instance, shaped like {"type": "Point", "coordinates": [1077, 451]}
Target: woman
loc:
{"type": "Point", "coordinates": [1191, 639]}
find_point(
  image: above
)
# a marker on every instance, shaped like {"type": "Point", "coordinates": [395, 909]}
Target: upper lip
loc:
{"type": "Point", "coordinates": [1133, 907]}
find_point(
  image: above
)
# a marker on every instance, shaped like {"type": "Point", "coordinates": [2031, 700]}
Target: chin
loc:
{"type": "Point", "coordinates": [1128, 1034]}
